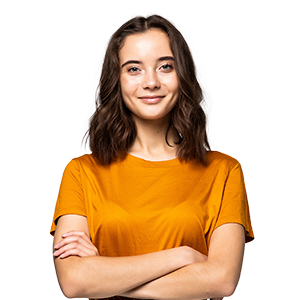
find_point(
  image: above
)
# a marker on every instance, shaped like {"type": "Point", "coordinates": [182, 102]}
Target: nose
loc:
{"type": "Point", "coordinates": [151, 81]}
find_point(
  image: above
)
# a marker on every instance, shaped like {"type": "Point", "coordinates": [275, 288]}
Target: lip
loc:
{"type": "Point", "coordinates": [151, 99]}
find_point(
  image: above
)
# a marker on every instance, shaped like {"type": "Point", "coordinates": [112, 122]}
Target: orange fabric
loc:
{"type": "Point", "coordinates": [137, 206]}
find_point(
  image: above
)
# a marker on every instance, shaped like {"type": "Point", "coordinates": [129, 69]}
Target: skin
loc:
{"type": "Point", "coordinates": [83, 273]}
{"type": "Point", "coordinates": [149, 87]}
{"type": "Point", "coordinates": [150, 90]}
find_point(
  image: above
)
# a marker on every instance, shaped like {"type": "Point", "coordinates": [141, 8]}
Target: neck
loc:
{"type": "Point", "coordinates": [150, 142]}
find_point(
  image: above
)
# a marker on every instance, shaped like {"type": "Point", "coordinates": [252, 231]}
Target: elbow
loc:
{"type": "Point", "coordinates": [227, 289]}
{"type": "Point", "coordinates": [69, 288]}
{"type": "Point", "coordinates": [69, 292]}
{"type": "Point", "coordinates": [75, 285]}
{"type": "Point", "coordinates": [225, 285]}
{"type": "Point", "coordinates": [70, 284]}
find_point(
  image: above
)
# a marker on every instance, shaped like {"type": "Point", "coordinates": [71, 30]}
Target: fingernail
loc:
{"type": "Point", "coordinates": [65, 234]}
{"type": "Point", "coordinates": [56, 246]}
{"type": "Point", "coordinates": [55, 253]}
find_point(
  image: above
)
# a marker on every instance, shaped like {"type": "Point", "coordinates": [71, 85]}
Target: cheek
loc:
{"type": "Point", "coordinates": [172, 84]}
{"type": "Point", "coordinates": [128, 91]}
{"type": "Point", "coordinates": [128, 87]}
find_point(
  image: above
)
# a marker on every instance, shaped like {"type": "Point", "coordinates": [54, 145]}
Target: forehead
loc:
{"type": "Point", "coordinates": [153, 42]}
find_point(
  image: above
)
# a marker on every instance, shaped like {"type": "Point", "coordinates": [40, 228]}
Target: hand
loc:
{"type": "Point", "coordinates": [75, 243]}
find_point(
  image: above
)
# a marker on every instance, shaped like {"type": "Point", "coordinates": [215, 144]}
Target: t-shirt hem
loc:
{"type": "Point", "coordinates": [63, 213]}
{"type": "Point", "coordinates": [249, 236]}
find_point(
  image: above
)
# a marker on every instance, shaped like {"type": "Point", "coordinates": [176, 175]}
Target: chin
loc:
{"type": "Point", "coordinates": [153, 117]}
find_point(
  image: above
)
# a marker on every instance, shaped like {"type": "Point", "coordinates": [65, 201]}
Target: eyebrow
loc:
{"type": "Point", "coordinates": [139, 62]}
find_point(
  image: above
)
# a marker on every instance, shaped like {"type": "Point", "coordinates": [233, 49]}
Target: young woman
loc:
{"type": "Point", "coordinates": [152, 213]}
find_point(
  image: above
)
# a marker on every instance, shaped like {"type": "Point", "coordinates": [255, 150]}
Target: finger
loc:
{"type": "Point", "coordinates": [75, 242]}
{"type": "Point", "coordinates": [76, 239]}
{"type": "Point", "coordinates": [73, 249]}
{"type": "Point", "coordinates": [73, 252]}
{"type": "Point", "coordinates": [83, 234]}
{"type": "Point", "coordinates": [72, 239]}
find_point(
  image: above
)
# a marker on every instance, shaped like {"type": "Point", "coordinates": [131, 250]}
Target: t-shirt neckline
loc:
{"type": "Point", "coordinates": [159, 163]}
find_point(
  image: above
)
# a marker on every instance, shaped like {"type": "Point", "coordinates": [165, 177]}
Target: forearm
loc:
{"type": "Point", "coordinates": [217, 276]}
{"type": "Point", "coordinates": [196, 281]}
{"type": "Point", "coordinates": [100, 276]}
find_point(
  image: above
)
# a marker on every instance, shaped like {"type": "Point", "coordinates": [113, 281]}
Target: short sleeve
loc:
{"type": "Point", "coordinates": [234, 205]}
{"type": "Point", "coordinates": [70, 198]}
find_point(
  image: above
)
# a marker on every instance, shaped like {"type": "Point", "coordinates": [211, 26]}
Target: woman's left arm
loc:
{"type": "Point", "coordinates": [216, 277]}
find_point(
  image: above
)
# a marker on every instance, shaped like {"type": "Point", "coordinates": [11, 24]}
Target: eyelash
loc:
{"type": "Point", "coordinates": [170, 67]}
{"type": "Point", "coordinates": [136, 69]}
{"type": "Point", "coordinates": [131, 69]}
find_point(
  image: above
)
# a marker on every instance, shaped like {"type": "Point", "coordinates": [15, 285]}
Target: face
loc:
{"type": "Point", "coordinates": [149, 82]}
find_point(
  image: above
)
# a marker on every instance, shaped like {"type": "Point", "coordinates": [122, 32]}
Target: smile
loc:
{"type": "Point", "coordinates": [151, 99]}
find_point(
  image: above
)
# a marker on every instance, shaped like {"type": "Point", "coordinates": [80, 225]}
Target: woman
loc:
{"type": "Point", "coordinates": [152, 213]}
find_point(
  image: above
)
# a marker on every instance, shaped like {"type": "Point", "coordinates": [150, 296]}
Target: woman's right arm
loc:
{"type": "Point", "coordinates": [101, 276]}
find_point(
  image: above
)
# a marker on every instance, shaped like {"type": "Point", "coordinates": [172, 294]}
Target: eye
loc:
{"type": "Point", "coordinates": [166, 67]}
{"type": "Point", "coordinates": [133, 70]}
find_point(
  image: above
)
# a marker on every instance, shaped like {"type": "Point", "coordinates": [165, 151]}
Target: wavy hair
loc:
{"type": "Point", "coordinates": [112, 130]}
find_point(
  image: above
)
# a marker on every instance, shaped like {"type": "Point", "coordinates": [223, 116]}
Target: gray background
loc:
{"type": "Point", "coordinates": [223, 46]}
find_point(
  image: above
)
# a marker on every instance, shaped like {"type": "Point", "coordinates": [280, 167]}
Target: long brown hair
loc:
{"type": "Point", "coordinates": [112, 130]}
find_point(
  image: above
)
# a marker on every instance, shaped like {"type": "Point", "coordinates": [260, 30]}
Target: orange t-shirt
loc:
{"type": "Point", "coordinates": [137, 206]}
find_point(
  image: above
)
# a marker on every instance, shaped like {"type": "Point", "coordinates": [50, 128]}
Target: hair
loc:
{"type": "Point", "coordinates": [112, 130]}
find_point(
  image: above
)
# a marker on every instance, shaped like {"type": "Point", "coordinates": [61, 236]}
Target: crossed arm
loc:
{"type": "Point", "coordinates": [178, 273]}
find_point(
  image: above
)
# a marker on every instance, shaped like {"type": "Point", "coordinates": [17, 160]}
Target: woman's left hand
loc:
{"type": "Point", "coordinates": [75, 243]}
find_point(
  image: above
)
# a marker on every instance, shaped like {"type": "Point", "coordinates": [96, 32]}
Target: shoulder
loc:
{"type": "Point", "coordinates": [221, 160]}
{"type": "Point", "coordinates": [86, 161]}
